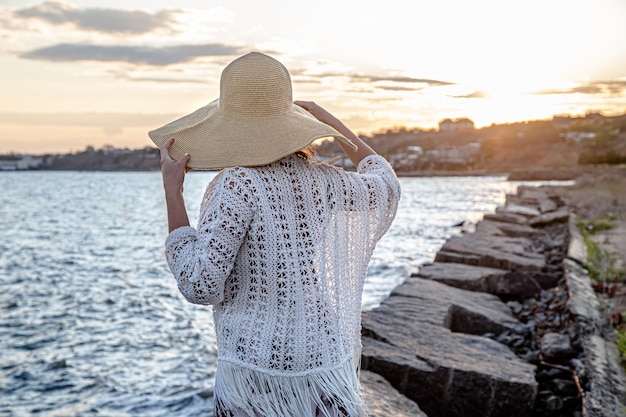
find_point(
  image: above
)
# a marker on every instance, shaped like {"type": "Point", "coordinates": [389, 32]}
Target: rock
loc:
{"type": "Point", "coordinates": [554, 403]}
{"type": "Point", "coordinates": [459, 310]}
{"type": "Point", "coordinates": [533, 201]}
{"type": "Point", "coordinates": [545, 190]}
{"type": "Point", "coordinates": [492, 251]}
{"type": "Point", "coordinates": [467, 277]}
{"type": "Point", "coordinates": [556, 242]}
{"type": "Point", "coordinates": [516, 285]}
{"type": "Point", "coordinates": [583, 305]}
{"type": "Point", "coordinates": [484, 344]}
{"type": "Point", "coordinates": [497, 228]}
{"type": "Point", "coordinates": [560, 216]}
{"type": "Point", "coordinates": [542, 199]}
{"type": "Point", "coordinates": [607, 391]}
{"type": "Point", "coordinates": [577, 249]}
{"type": "Point", "coordinates": [537, 194]}
{"type": "Point", "coordinates": [455, 379]}
{"type": "Point", "coordinates": [556, 346]}
{"type": "Point", "coordinates": [410, 341]}
{"type": "Point", "coordinates": [478, 278]}
{"type": "Point", "coordinates": [519, 209]}
{"type": "Point", "coordinates": [506, 217]}
{"type": "Point", "coordinates": [564, 387]}
{"type": "Point", "coordinates": [515, 306]}
{"type": "Point", "coordinates": [383, 400]}
{"type": "Point", "coordinates": [547, 205]}
{"type": "Point", "coordinates": [548, 279]}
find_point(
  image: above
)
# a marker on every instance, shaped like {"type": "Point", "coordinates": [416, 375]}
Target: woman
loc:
{"type": "Point", "coordinates": [282, 243]}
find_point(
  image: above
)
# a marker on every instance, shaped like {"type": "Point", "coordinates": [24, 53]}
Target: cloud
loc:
{"type": "Point", "coordinates": [170, 80]}
{"type": "Point", "coordinates": [608, 87]}
{"type": "Point", "coordinates": [399, 79]}
{"type": "Point", "coordinates": [399, 83]}
{"type": "Point", "coordinates": [100, 20]}
{"type": "Point", "coordinates": [474, 94]}
{"type": "Point", "coordinates": [110, 120]}
{"type": "Point", "coordinates": [398, 88]}
{"type": "Point", "coordinates": [368, 78]}
{"type": "Point", "coordinates": [143, 55]}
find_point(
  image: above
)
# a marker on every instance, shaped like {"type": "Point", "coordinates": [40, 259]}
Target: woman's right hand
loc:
{"type": "Point", "coordinates": [355, 154]}
{"type": "Point", "coordinates": [319, 113]}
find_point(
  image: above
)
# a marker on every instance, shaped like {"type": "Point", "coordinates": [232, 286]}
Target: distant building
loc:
{"type": "Point", "coordinates": [29, 162]}
{"type": "Point", "coordinates": [456, 125]}
{"type": "Point", "coordinates": [446, 125]}
{"type": "Point", "coordinates": [578, 137]}
{"type": "Point", "coordinates": [562, 122]}
{"type": "Point", "coordinates": [590, 120]}
{"type": "Point", "coordinates": [20, 162]}
{"type": "Point", "coordinates": [594, 118]}
{"type": "Point", "coordinates": [8, 164]}
{"type": "Point", "coordinates": [407, 159]}
{"type": "Point", "coordinates": [459, 155]}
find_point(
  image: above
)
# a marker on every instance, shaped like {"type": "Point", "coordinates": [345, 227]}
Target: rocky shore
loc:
{"type": "Point", "coordinates": [504, 322]}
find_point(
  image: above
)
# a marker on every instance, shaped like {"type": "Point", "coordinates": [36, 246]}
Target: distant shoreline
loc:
{"type": "Point", "coordinates": [531, 175]}
{"type": "Point", "coordinates": [515, 175]}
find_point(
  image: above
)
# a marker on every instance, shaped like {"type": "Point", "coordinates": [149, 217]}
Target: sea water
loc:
{"type": "Point", "coordinates": [92, 323]}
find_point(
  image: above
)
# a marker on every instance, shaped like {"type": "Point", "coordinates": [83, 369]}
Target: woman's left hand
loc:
{"type": "Point", "coordinates": [173, 172]}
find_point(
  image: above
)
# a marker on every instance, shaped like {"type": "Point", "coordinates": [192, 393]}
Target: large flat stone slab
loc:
{"type": "Point", "coordinates": [414, 340]}
{"type": "Point", "coordinates": [543, 199]}
{"type": "Point", "coordinates": [583, 304]}
{"type": "Point", "coordinates": [606, 389]}
{"type": "Point", "coordinates": [503, 228]}
{"type": "Point", "coordinates": [500, 252]}
{"type": "Point", "coordinates": [545, 219]}
{"type": "Point", "coordinates": [506, 217]}
{"type": "Point", "coordinates": [383, 400]}
{"type": "Point", "coordinates": [479, 278]}
{"type": "Point", "coordinates": [457, 309]}
{"type": "Point", "coordinates": [467, 277]}
{"type": "Point", "coordinates": [577, 249]}
{"type": "Point", "coordinates": [537, 206]}
{"type": "Point", "coordinates": [519, 209]}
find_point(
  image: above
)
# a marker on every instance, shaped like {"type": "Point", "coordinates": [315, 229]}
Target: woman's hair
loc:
{"type": "Point", "coordinates": [307, 153]}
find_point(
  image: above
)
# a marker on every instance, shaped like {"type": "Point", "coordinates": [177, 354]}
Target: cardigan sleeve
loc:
{"type": "Point", "coordinates": [383, 189]}
{"type": "Point", "coordinates": [202, 258]}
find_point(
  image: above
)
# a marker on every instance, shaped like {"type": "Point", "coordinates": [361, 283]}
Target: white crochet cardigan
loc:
{"type": "Point", "coordinates": [281, 252]}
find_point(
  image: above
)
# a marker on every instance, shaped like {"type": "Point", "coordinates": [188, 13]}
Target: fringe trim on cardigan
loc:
{"type": "Point", "coordinates": [328, 392]}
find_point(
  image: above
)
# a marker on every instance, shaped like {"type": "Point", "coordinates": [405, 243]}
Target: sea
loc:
{"type": "Point", "coordinates": [91, 321]}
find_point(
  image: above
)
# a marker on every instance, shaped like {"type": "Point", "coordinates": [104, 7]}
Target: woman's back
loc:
{"type": "Point", "coordinates": [296, 286]}
{"type": "Point", "coordinates": [303, 235]}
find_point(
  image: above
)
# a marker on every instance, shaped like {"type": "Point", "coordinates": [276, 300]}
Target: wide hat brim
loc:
{"type": "Point", "coordinates": [216, 140]}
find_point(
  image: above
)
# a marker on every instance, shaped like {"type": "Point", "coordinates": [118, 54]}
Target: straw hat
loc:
{"type": "Point", "coordinates": [254, 122]}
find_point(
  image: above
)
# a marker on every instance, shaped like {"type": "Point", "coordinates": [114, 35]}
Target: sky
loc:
{"type": "Point", "coordinates": [95, 73]}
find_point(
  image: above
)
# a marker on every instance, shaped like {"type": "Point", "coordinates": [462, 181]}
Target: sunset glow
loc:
{"type": "Point", "coordinates": [95, 72]}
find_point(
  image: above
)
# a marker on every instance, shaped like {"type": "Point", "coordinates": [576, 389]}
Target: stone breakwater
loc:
{"type": "Point", "coordinates": [504, 322]}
